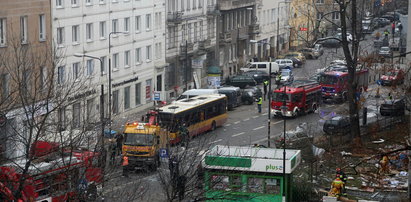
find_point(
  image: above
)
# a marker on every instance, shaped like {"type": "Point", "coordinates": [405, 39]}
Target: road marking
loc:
{"type": "Point", "coordinates": [228, 124]}
{"type": "Point", "coordinates": [216, 141]}
{"type": "Point", "coordinates": [264, 114]}
{"type": "Point", "coordinates": [277, 122]}
{"type": "Point", "coordinates": [238, 134]}
{"type": "Point", "coordinates": [237, 122]}
{"type": "Point", "coordinates": [258, 141]}
{"type": "Point", "coordinates": [246, 119]}
{"type": "Point", "coordinates": [255, 117]}
{"type": "Point", "coordinates": [258, 128]}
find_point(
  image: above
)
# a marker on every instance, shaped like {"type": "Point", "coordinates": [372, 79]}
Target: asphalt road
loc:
{"type": "Point", "coordinates": [245, 127]}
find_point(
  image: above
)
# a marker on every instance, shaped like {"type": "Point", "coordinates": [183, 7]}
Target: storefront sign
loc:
{"type": "Point", "coordinates": [82, 95]}
{"type": "Point", "coordinates": [125, 82]}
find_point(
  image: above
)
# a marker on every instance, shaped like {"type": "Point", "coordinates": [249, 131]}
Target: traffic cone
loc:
{"type": "Point", "coordinates": [377, 95]}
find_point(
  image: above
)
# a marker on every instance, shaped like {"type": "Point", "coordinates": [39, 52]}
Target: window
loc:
{"type": "Point", "coordinates": [60, 75]}
{"type": "Point", "coordinates": [159, 83]}
{"type": "Point", "coordinates": [127, 97]}
{"type": "Point", "coordinates": [90, 67]}
{"type": "Point", "coordinates": [89, 32]}
{"type": "Point", "coordinates": [138, 94]}
{"type": "Point", "coordinates": [138, 55]}
{"type": "Point", "coordinates": [42, 27]}
{"type": "Point", "coordinates": [75, 34]}
{"type": "Point", "coordinates": [138, 23]}
{"type": "Point", "coordinates": [336, 15]}
{"type": "Point", "coordinates": [115, 60]}
{"type": "Point", "coordinates": [126, 24]}
{"type": "Point", "coordinates": [62, 118]}
{"type": "Point", "coordinates": [195, 32]}
{"type": "Point", "coordinates": [103, 65]}
{"type": "Point", "coordinates": [158, 50]}
{"type": "Point", "coordinates": [319, 15]}
{"type": "Point", "coordinates": [188, 5]}
{"type": "Point", "coordinates": [59, 3]}
{"type": "Point", "coordinates": [43, 77]}
{"type": "Point", "coordinates": [319, 1]}
{"type": "Point", "coordinates": [103, 30]}
{"type": "Point", "coordinates": [90, 111]}
{"type": "Point", "coordinates": [23, 29]}
{"type": "Point", "coordinates": [60, 35]}
{"type": "Point", "coordinates": [200, 3]}
{"type": "Point", "coordinates": [194, 4]}
{"type": "Point", "coordinates": [115, 102]}
{"type": "Point", "coordinates": [182, 5]}
{"type": "Point", "coordinates": [148, 21]}
{"type": "Point", "coordinates": [76, 70]}
{"type": "Point", "coordinates": [148, 52]}
{"type": "Point", "coordinates": [76, 115]}
{"type": "Point", "coordinates": [158, 20]}
{"type": "Point", "coordinates": [89, 2]}
{"type": "Point", "coordinates": [114, 24]}
{"type": "Point", "coordinates": [74, 3]}
{"type": "Point", "coordinates": [201, 30]}
{"type": "Point", "coordinates": [148, 89]}
{"type": "Point", "coordinates": [127, 58]}
{"type": "Point", "coordinates": [5, 86]}
{"type": "Point", "coordinates": [3, 23]}
{"type": "Point", "coordinates": [189, 32]}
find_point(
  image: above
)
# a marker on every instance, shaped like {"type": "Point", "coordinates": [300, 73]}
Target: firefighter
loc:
{"type": "Point", "coordinates": [278, 79]}
{"type": "Point", "coordinates": [125, 166]}
{"type": "Point", "coordinates": [385, 167]}
{"type": "Point", "coordinates": [343, 177]}
{"type": "Point", "coordinates": [265, 83]}
{"type": "Point", "coordinates": [259, 103]}
{"type": "Point", "coordinates": [336, 187]}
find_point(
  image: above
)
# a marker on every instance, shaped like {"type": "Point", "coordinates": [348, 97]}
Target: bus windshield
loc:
{"type": "Point", "coordinates": [328, 79]}
{"type": "Point", "coordinates": [138, 139]}
{"type": "Point", "coordinates": [280, 97]}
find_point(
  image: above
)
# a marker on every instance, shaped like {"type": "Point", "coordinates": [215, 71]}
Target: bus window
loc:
{"type": "Point", "coordinates": [272, 186]}
{"type": "Point", "coordinates": [255, 185]}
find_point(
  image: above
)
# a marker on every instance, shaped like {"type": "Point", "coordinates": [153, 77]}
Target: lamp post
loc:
{"type": "Point", "coordinates": [278, 25]}
{"type": "Point", "coordinates": [103, 153]}
{"type": "Point", "coordinates": [284, 111]}
{"type": "Point", "coordinates": [109, 78]}
{"type": "Point", "coordinates": [269, 98]}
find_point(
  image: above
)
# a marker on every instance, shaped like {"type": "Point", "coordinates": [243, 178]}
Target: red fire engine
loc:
{"type": "Point", "coordinates": [53, 176]}
{"type": "Point", "coordinates": [301, 97]}
{"type": "Point", "coordinates": [335, 84]}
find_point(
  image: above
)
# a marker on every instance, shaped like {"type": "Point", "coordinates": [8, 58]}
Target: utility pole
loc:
{"type": "Point", "coordinates": [186, 74]}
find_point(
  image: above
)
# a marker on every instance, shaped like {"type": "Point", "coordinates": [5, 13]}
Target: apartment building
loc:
{"type": "Point", "coordinates": [129, 35]}
{"type": "Point", "coordinates": [327, 17]}
{"type": "Point", "coordinates": [25, 38]}
{"type": "Point", "coordinates": [303, 21]}
{"type": "Point", "coordinates": [190, 43]}
{"type": "Point", "coordinates": [273, 18]}
{"type": "Point", "coordinates": [237, 25]}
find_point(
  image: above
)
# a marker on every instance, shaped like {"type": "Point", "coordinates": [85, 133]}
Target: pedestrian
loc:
{"type": "Point", "coordinates": [125, 166]}
{"type": "Point", "coordinates": [119, 142]}
{"type": "Point", "coordinates": [255, 59]}
{"type": "Point", "coordinates": [265, 83]}
{"type": "Point", "coordinates": [259, 103]}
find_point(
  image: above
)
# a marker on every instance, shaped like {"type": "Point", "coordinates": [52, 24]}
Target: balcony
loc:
{"type": "Point", "coordinates": [225, 37]}
{"type": "Point", "coordinates": [183, 49]}
{"type": "Point", "coordinates": [203, 45]}
{"type": "Point", "coordinates": [225, 5]}
{"type": "Point", "coordinates": [254, 29]}
{"type": "Point", "coordinates": [174, 17]}
{"type": "Point", "coordinates": [212, 10]}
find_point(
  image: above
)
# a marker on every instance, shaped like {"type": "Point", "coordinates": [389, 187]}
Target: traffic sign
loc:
{"type": "Point", "coordinates": [157, 96]}
{"type": "Point", "coordinates": [164, 153]}
{"type": "Point", "coordinates": [303, 28]}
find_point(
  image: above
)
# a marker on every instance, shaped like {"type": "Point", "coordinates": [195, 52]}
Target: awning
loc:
{"type": "Point", "coordinates": [213, 70]}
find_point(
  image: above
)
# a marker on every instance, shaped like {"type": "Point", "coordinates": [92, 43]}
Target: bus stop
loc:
{"type": "Point", "coordinates": [234, 173]}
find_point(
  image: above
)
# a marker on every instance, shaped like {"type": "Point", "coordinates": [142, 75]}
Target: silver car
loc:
{"type": "Point", "coordinates": [385, 51]}
{"type": "Point", "coordinates": [284, 63]}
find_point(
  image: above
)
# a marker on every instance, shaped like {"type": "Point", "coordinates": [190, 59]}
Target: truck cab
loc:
{"type": "Point", "coordinates": [142, 143]}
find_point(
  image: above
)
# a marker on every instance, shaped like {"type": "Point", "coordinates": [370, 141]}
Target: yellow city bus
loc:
{"type": "Point", "coordinates": [199, 114]}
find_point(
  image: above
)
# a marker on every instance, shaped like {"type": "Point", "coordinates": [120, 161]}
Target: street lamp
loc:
{"type": "Point", "coordinates": [103, 156]}
{"type": "Point", "coordinates": [278, 25]}
{"type": "Point", "coordinates": [109, 78]}
{"type": "Point", "coordinates": [269, 97]}
{"type": "Point", "coordinates": [284, 112]}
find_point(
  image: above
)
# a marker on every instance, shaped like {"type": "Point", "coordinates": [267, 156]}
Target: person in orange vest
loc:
{"type": "Point", "coordinates": [125, 166]}
{"type": "Point", "coordinates": [385, 167]}
{"type": "Point", "coordinates": [336, 187]}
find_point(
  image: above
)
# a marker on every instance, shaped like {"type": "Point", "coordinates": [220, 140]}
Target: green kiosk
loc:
{"type": "Point", "coordinates": [234, 173]}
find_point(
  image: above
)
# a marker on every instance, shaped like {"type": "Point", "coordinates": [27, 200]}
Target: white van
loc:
{"type": "Point", "coordinates": [264, 66]}
{"type": "Point", "coordinates": [195, 92]}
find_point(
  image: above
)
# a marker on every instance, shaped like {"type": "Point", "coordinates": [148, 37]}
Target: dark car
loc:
{"type": "Point", "coordinates": [389, 17]}
{"type": "Point", "coordinates": [339, 125]}
{"type": "Point", "coordinates": [331, 43]}
{"type": "Point", "coordinates": [258, 75]}
{"type": "Point", "coordinates": [233, 96]}
{"type": "Point", "coordinates": [241, 81]}
{"type": "Point", "coordinates": [393, 108]}
{"type": "Point", "coordinates": [249, 94]}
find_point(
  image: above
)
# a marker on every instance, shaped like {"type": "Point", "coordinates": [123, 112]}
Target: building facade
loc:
{"type": "Point", "coordinates": [129, 35]}
{"type": "Point", "coordinates": [327, 16]}
{"type": "Point", "coordinates": [303, 23]}
{"type": "Point", "coordinates": [190, 44]}
{"type": "Point", "coordinates": [237, 25]}
{"type": "Point", "coordinates": [25, 39]}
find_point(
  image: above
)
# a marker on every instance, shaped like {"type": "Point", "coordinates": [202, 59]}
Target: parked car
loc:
{"type": "Point", "coordinates": [331, 42]}
{"type": "Point", "coordinates": [262, 66]}
{"type": "Point", "coordinates": [338, 125]}
{"type": "Point", "coordinates": [310, 53]}
{"type": "Point", "coordinates": [233, 96]}
{"type": "Point", "coordinates": [296, 62]}
{"type": "Point", "coordinates": [381, 22]}
{"type": "Point", "coordinates": [389, 17]}
{"type": "Point", "coordinates": [241, 81]}
{"type": "Point", "coordinates": [258, 75]}
{"type": "Point", "coordinates": [393, 77]}
{"type": "Point", "coordinates": [297, 55]}
{"type": "Point", "coordinates": [250, 94]}
{"type": "Point", "coordinates": [286, 76]}
{"type": "Point", "coordinates": [284, 63]}
{"type": "Point", "coordinates": [319, 48]}
{"type": "Point", "coordinates": [393, 107]}
{"type": "Point", "coordinates": [385, 51]}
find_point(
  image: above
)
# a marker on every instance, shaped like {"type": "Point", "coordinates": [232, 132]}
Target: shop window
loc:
{"type": "Point", "coordinates": [219, 182]}
{"type": "Point", "coordinates": [255, 185]}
